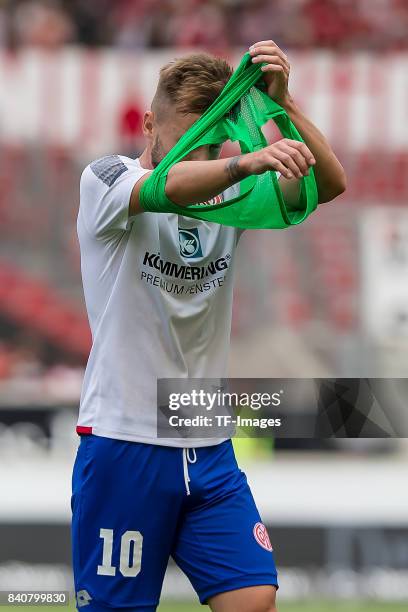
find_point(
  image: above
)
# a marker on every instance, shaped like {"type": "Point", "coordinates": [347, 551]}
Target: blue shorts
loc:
{"type": "Point", "coordinates": [135, 505]}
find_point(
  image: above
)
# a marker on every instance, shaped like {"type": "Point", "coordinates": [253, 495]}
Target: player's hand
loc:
{"type": "Point", "coordinates": [289, 157]}
{"type": "Point", "coordinates": [277, 69]}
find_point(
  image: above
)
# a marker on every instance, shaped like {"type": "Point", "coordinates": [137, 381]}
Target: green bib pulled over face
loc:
{"type": "Point", "coordinates": [238, 114]}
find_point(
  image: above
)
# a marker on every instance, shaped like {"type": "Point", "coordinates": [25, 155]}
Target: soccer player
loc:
{"type": "Point", "coordinates": [158, 291]}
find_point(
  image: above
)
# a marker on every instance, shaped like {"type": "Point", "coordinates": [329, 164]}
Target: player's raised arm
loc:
{"type": "Point", "coordinates": [198, 181]}
{"type": "Point", "coordinates": [329, 173]}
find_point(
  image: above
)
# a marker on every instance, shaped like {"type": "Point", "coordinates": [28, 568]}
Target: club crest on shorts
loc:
{"type": "Point", "coordinates": [83, 598]}
{"type": "Point", "coordinates": [262, 537]}
{"type": "Point", "coordinates": [190, 245]}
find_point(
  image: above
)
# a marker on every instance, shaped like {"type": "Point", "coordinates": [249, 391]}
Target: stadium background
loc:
{"type": "Point", "coordinates": [329, 298]}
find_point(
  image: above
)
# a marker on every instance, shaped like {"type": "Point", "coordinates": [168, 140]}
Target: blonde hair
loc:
{"type": "Point", "coordinates": [191, 83]}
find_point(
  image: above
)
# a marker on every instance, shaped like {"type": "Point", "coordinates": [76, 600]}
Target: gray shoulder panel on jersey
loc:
{"type": "Point", "coordinates": [108, 169]}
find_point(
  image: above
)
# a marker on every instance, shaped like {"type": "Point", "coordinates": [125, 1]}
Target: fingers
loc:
{"type": "Point", "coordinates": [268, 48]}
{"type": "Point", "coordinates": [271, 59]}
{"type": "Point", "coordinates": [262, 42]}
{"type": "Point", "coordinates": [266, 44]}
{"type": "Point", "coordinates": [304, 149]}
{"type": "Point", "coordinates": [299, 163]}
{"type": "Point", "coordinates": [295, 158]}
{"type": "Point", "coordinates": [288, 160]}
{"type": "Point", "coordinates": [270, 161]}
{"type": "Point", "coordinates": [280, 167]}
{"type": "Point", "coordinates": [272, 68]}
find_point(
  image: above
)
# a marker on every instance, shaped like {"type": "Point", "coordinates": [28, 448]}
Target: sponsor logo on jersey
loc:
{"type": "Point", "coordinates": [262, 537]}
{"type": "Point", "coordinates": [169, 268]}
{"type": "Point", "coordinates": [190, 245]}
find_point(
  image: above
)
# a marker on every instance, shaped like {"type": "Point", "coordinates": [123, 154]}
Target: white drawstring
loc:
{"type": "Point", "coordinates": [186, 460]}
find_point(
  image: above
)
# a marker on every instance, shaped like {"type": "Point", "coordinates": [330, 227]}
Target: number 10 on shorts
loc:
{"type": "Point", "coordinates": [128, 567]}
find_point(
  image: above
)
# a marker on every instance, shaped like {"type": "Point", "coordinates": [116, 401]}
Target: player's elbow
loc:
{"type": "Point", "coordinates": [341, 182]}
{"type": "Point", "coordinates": [334, 188]}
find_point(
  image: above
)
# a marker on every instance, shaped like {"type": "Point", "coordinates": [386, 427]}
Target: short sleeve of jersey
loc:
{"type": "Point", "coordinates": [105, 190]}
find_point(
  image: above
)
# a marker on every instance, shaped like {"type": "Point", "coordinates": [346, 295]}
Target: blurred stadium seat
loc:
{"type": "Point", "coordinates": [135, 24]}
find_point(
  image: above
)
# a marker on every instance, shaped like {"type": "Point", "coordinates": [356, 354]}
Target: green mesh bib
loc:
{"type": "Point", "coordinates": [238, 114]}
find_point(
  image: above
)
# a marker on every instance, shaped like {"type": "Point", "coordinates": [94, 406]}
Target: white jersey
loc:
{"type": "Point", "coordinates": [158, 291]}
